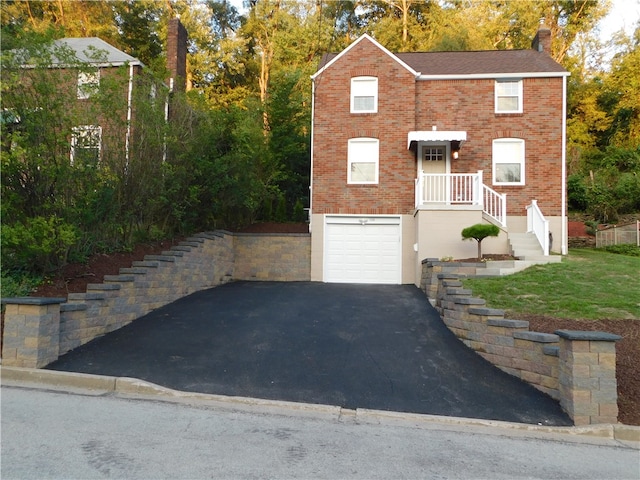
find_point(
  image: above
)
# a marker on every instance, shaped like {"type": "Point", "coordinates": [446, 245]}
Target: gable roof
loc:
{"type": "Point", "coordinates": [329, 59]}
{"type": "Point", "coordinates": [96, 50]}
{"type": "Point", "coordinates": [474, 64]}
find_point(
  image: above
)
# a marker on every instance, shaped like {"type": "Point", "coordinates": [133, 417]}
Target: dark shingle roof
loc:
{"type": "Point", "coordinates": [474, 63]}
{"type": "Point", "coordinates": [482, 62]}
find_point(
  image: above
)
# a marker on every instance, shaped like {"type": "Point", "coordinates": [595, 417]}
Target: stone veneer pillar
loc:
{"type": "Point", "coordinates": [31, 331]}
{"type": "Point", "coordinates": [587, 376]}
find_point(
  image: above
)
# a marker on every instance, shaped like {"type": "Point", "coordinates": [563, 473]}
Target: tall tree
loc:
{"type": "Point", "coordinates": [138, 22]}
{"type": "Point", "coordinates": [263, 24]}
{"type": "Point", "coordinates": [72, 18]}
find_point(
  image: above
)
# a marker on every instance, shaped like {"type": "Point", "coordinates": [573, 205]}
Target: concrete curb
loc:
{"type": "Point", "coordinates": [131, 387]}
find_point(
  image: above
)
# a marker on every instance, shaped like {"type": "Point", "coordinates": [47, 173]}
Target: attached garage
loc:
{"type": "Point", "coordinates": [362, 249]}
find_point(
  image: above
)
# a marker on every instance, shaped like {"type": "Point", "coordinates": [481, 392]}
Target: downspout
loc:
{"type": "Point", "coordinates": [166, 121]}
{"type": "Point", "coordinates": [129, 114]}
{"type": "Point", "coordinates": [565, 239]}
{"type": "Point", "coordinates": [313, 103]}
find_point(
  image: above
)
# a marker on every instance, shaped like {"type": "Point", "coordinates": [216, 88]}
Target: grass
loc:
{"type": "Point", "coordinates": [588, 284]}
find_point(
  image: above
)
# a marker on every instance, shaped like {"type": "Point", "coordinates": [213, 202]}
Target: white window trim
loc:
{"type": "Point", "coordinates": [375, 161]}
{"type": "Point", "coordinates": [520, 96]}
{"type": "Point", "coordinates": [88, 84]}
{"type": "Point", "coordinates": [354, 90]}
{"type": "Point", "coordinates": [521, 160]}
{"type": "Point", "coordinates": [77, 131]}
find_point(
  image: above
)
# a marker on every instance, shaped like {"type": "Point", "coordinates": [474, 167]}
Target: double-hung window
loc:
{"type": "Point", "coordinates": [508, 96]}
{"type": "Point", "coordinates": [364, 95]}
{"type": "Point", "coordinates": [86, 142]}
{"type": "Point", "coordinates": [88, 83]}
{"type": "Point", "coordinates": [508, 161]}
{"type": "Point", "coordinates": [363, 160]}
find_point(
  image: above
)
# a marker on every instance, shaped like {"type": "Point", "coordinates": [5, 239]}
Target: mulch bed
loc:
{"type": "Point", "coordinates": [75, 277]}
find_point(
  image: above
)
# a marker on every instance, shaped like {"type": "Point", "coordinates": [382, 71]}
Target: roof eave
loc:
{"type": "Point", "coordinates": [357, 41]}
{"type": "Point", "coordinates": [93, 64]}
{"type": "Point", "coordinates": [480, 76]}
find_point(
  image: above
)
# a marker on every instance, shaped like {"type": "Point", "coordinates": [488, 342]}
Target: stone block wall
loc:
{"type": "Point", "coordinates": [273, 257]}
{"type": "Point", "coordinates": [576, 368]}
{"type": "Point", "coordinates": [38, 330]}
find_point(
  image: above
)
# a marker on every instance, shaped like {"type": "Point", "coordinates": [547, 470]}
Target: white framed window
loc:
{"type": "Point", "coordinates": [88, 83]}
{"type": "Point", "coordinates": [508, 96]}
{"type": "Point", "coordinates": [86, 142]}
{"type": "Point", "coordinates": [363, 160]}
{"type": "Point", "coordinates": [364, 95]}
{"type": "Point", "coordinates": [508, 161]}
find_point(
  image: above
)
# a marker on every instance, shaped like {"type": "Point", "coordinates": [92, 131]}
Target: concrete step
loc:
{"type": "Point", "coordinates": [524, 245]}
{"type": "Point", "coordinates": [541, 259]}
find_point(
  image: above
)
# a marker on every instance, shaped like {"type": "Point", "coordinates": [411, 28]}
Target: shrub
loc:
{"type": "Point", "coordinates": [299, 214]}
{"type": "Point", "coordinates": [623, 249]}
{"type": "Point", "coordinates": [18, 284]}
{"type": "Point", "coordinates": [577, 193]}
{"type": "Point", "coordinates": [479, 232]}
{"type": "Point", "coordinates": [38, 245]}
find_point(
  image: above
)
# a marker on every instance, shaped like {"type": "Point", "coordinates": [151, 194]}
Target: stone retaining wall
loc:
{"type": "Point", "coordinates": [576, 368]}
{"type": "Point", "coordinates": [272, 257]}
{"type": "Point", "coordinates": [38, 330]}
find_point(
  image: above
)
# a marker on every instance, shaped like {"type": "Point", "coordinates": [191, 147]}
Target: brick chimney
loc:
{"type": "Point", "coordinates": [177, 54]}
{"type": "Point", "coordinates": [542, 41]}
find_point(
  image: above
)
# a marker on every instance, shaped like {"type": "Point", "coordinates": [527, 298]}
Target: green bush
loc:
{"type": "Point", "coordinates": [18, 284]}
{"type": "Point", "coordinates": [624, 249]}
{"type": "Point", "coordinates": [281, 209]}
{"type": "Point", "coordinates": [38, 245]}
{"type": "Point", "coordinates": [577, 193]}
{"type": "Point", "coordinates": [299, 214]}
{"type": "Point", "coordinates": [479, 232]}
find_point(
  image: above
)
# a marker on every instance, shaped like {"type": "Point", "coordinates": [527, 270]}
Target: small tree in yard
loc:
{"type": "Point", "coordinates": [479, 232]}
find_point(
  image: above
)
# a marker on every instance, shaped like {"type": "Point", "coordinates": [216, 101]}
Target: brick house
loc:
{"type": "Point", "coordinates": [410, 148]}
{"type": "Point", "coordinates": [80, 68]}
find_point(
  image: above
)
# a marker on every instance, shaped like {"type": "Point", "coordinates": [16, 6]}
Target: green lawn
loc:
{"type": "Point", "coordinates": [588, 284]}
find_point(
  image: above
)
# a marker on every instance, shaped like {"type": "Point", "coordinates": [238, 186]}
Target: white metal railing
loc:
{"type": "Point", "coordinates": [538, 225]}
{"type": "Point", "coordinates": [460, 189]}
{"type": "Point", "coordinates": [494, 204]}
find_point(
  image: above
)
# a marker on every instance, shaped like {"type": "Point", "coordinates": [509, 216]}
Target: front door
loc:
{"type": "Point", "coordinates": [434, 161]}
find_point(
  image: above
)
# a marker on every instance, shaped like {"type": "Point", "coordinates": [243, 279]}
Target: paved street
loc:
{"type": "Point", "coordinates": [49, 435]}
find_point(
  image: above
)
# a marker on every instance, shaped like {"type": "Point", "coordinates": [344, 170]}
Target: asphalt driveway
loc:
{"type": "Point", "coordinates": [357, 346]}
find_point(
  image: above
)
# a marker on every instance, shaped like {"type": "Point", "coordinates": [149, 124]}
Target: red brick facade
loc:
{"type": "Point", "coordinates": [334, 125]}
{"type": "Point", "coordinates": [406, 103]}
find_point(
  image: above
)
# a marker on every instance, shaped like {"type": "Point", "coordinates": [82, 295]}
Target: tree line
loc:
{"type": "Point", "coordinates": [237, 147]}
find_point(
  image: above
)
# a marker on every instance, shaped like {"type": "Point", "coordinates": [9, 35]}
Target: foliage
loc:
{"type": "Point", "coordinates": [39, 244]}
{"type": "Point", "coordinates": [623, 249]}
{"type": "Point", "coordinates": [237, 145]}
{"type": "Point", "coordinates": [588, 284]}
{"type": "Point", "coordinates": [607, 184]}
{"type": "Point", "coordinates": [479, 232]}
{"type": "Point", "coordinates": [18, 284]}
{"type": "Point", "coordinates": [577, 193]}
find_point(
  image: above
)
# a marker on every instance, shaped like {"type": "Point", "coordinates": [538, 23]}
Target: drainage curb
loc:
{"type": "Point", "coordinates": [131, 387]}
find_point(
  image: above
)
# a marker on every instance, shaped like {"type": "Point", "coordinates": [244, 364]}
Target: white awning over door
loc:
{"type": "Point", "coordinates": [436, 136]}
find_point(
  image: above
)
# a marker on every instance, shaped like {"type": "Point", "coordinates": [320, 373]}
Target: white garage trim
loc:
{"type": "Point", "coordinates": [362, 249]}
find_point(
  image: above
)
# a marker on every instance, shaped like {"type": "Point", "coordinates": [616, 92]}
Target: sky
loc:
{"type": "Point", "coordinates": [623, 14]}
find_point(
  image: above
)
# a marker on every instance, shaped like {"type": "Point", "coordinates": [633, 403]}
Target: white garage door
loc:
{"type": "Point", "coordinates": [362, 250]}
